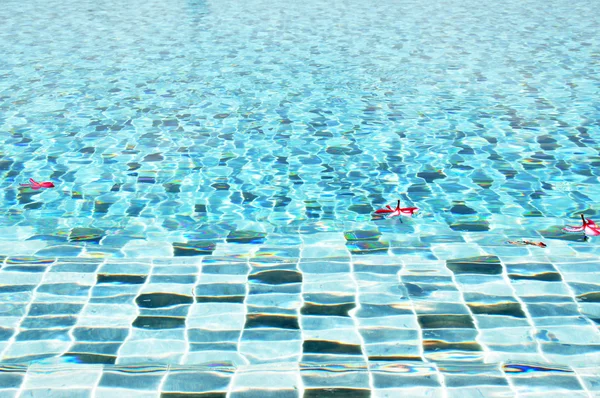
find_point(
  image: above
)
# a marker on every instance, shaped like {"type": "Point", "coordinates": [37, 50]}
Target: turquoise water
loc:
{"type": "Point", "coordinates": [216, 169]}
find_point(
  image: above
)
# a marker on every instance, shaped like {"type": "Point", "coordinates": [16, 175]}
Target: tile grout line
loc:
{"type": "Point", "coordinates": [300, 386]}
{"type": "Point", "coordinates": [485, 348]}
{"type": "Point", "coordinates": [414, 311]}
{"type": "Point", "coordinates": [357, 323]}
{"type": "Point", "coordinates": [89, 298]}
{"type": "Point", "coordinates": [533, 329]}
{"type": "Point", "coordinates": [239, 342]}
{"type": "Point", "coordinates": [441, 379]}
{"type": "Point", "coordinates": [94, 391]}
{"type": "Point", "coordinates": [187, 339]}
{"type": "Point", "coordinates": [508, 379]}
{"type": "Point", "coordinates": [137, 308]}
{"type": "Point", "coordinates": [583, 385]}
{"type": "Point", "coordinates": [163, 380]}
{"type": "Point", "coordinates": [434, 365]}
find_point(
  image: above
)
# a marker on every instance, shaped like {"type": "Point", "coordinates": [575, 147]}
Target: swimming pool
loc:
{"type": "Point", "coordinates": [216, 168]}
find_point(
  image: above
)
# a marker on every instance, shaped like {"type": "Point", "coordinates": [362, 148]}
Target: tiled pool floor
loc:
{"type": "Point", "coordinates": [265, 323]}
{"type": "Point", "coordinates": [217, 164]}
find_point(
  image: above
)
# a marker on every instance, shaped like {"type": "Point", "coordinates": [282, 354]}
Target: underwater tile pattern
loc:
{"type": "Point", "coordinates": [365, 325]}
{"type": "Point", "coordinates": [170, 129]}
{"type": "Point", "coordinates": [217, 164]}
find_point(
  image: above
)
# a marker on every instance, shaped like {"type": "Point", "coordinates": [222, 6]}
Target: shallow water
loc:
{"type": "Point", "coordinates": [217, 166]}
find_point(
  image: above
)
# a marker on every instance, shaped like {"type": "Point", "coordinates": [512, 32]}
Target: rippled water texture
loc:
{"type": "Point", "coordinates": [217, 164]}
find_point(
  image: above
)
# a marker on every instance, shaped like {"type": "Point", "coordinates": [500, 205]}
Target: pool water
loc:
{"type": "Point", "coordinates": [217, 165]}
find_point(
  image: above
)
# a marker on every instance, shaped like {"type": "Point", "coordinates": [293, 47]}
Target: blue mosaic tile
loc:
{"type": "Point", "coordinates": [211, 228]}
